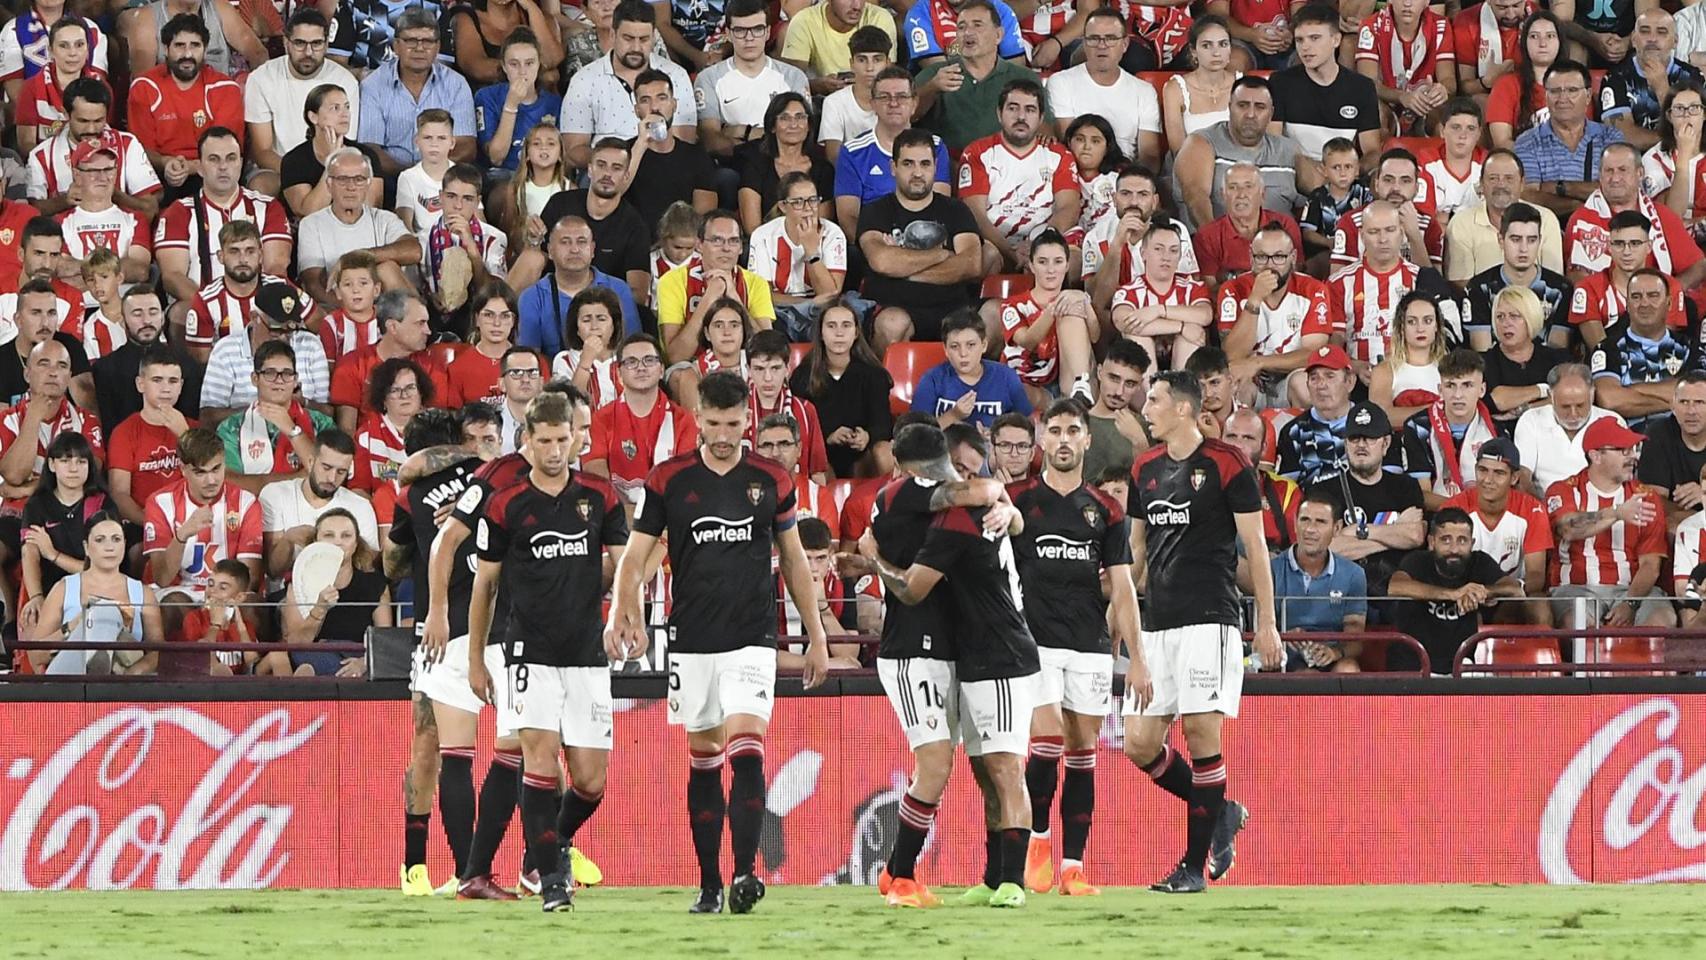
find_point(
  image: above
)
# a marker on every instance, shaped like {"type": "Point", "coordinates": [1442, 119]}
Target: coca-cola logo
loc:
{"type": "Point", "coordinates": [1655, 787]}
{"type": "Point", "coordinates": [93, 815]}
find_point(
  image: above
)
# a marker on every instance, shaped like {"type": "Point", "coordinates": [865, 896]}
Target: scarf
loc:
{"type": "Point", "coordinates": [944, 19]}
{"type": "Point", "coordinates": [440, 239]}
{"type": "Point", "coordinates": [258, 441]}
{"type": "Point", "coordinates": [1598, 234]}
{"type": "Point", "coordinates": [784, 404]}
{"type": "Point", "coordinates": [1492, 51]}
{"type": "Point", "coordinates": [696, 283]}
{"type": "Point", "coordinates": [1448, 456]}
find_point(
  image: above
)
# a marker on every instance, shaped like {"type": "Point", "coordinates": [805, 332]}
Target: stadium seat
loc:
{"type": "Point", "coordinates": [906, 363]}
{"type": "Point", "coordinates": [1520, 650]}
{"type": "Point", "coordinates": [797, 354]}
{"type": "Point", "coordinates": [1629, 650]}
{"type": "Point", "coordinates": [1000, 286]}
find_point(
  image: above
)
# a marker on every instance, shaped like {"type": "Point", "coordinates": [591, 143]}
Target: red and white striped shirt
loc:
{"type": "Point", "coordinates": [68, 418]}
{"type": "Point", "coordinates": [177, 229]}
{"type": "Point", "coordinates": [100, 336]}
{"type": "Point", "coordinates": [1039, 365]}
{"type": "Point", "coordinates": [1609, 558]}
{"type": "Point", "coordinates": [1048, 19]}
{"type": "Point", "coordinates": [1361, 302]}
{"type": "Point", "coordinates": [603, 384]}
{"type": "Point", "coordinates": [1405, 63]}
{"type": "Point", "coordinates": [1690, 546]}
{"type": "Point", "coordinates": [1020, 189]}
{"type": "Point", "coordinates": [233, 534]}
{"type": "Point", "coordinates": [1596, 298]}
{"type": "Point", "coordinates": [216, 311]}
{"type": "Point", "coordinates": [379, 454]}
{"type": "Point", "coordinates": [1184, 291]}
{"type": "Point", "coordinates": [1301, 312]}
{"type": "Point", "coordinates": [340, 334]}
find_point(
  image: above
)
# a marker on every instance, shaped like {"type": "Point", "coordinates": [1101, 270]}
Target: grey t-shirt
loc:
{"type": "Point", "coordinates": [726, 95]}
{"type": "Point", "coordinates": [322, 238]}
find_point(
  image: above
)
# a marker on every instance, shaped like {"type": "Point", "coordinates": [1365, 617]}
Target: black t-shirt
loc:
{"type": "Point", "coordinates": [65, 526]}
{"type": "Point", "coordinates": [720, 529]}
{"type": "Point", "coordinates": [886, 215]}
{"type": "Point", "coordinates": [623, 239]}
{"type": "Point", "coordinates": [1314, 114]}
{"type": "Point", "coordinates": [759, 175]}
{"type": "Point", "coordinates": [995, 642]}
{"type": "Point", "coordinates": [1501, 371]}
{"type": "Point", "coordinates": [490, 477]}
{"type": "Point", "coordinates": [663, 178]}
{"type": "Point", "coordinates": [1187, 508]}
{"type": "Point", "coordinates": [1067, 541]}
{"type": "Point", "coordinates": [901, 518]}
{"type": "Point", "coordinates": [300, 167]}
{"type": "Point", "coordinates": [1609, 16]}
{"type": "Point", "coordinates": [1666, 460]}
{"type": "Point", "coordinates": [1552, 288]}
{"type": "Point", "coordinates": [12, 383]}
{"type": "Point", "coordinates": [413, 526]}
{"type": "Point", "coordinates": [551, 592]}
{"type": "Point", "coordinates": [349, 618]}
{"type": "Point", "coordinates": [1438, 624]}
{"type": "Point", "coordinates": [1374, 504]}
{"type": "Point", "coordinates": [860, 398]}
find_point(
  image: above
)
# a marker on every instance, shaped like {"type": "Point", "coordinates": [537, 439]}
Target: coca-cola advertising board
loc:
{"type": "Point", "coordinates": [1514, 789]}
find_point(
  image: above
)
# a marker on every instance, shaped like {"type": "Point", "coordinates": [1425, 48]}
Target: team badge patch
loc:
{"type": "Point", "coordinates": [629, 450]}
{"type": "Point", "coordinates": [755, 492]}
{"type": "Point", "coordinates": [584, 508]}
{"type": "Point", "coordinates": [1090, 514]}
{"type": "Point", "coordinates": [1197, 478]}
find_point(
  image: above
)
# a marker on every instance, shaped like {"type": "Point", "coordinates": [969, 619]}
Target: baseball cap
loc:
{"type": "Point", "coordinates": [279, 304]}
{"type": "Point", "coordinates": [1332, 356]}
{"type": "Point", "coordinates": [1367, 420]}
{"type": "Point", "coordinates": [1500, 448]}
{"type": "Point", "coordinates": [1607, 432]}
{"type": "Point", "coordinates": [104, 142]}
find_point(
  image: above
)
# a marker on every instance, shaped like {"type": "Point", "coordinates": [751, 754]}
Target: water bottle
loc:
{"type": "Point", "coordinates": [658, 130]}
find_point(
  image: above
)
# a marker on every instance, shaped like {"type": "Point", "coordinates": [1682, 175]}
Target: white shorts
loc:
{"type": "Point", "coordinates": [1080, 682]}
{"type": "Point", "coordinates": [446, 682]}
{"type": "Point", "coordinates": [925, 697]}
{"type": "Point", "coordinates": [572, 701]}
{"type": "Point", "coordinates": [995, 715]}
{"type": "Point", "coordinates": [707, 688]}
{"type": "Point", "coordinates": [1195, 669]}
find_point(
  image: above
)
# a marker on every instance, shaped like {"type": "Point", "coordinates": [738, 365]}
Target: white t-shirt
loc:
{"type": "Point", "coordinates": [49, 173]}
{"type": "Point", "coordinates": [114, 228]}
{"type": "Point", "coordinates": [1130, 105]}
{"type": "Point", "coordinates": [322, 238]}
{"type": "Point", "coordinates": [418, 191]}
{"type": "Point", "coordinates": [1549, 452]}
{"type": "Point", "coordinates": [284, 507]}
{"type": "Point", "coordinates": [726, 95]}
{"type": "Point", "coordinates": [275, 95]}
{"type": "Point", "coordinates": [782, 262]}
{"type": "Point", "coordinates": [843, 118]}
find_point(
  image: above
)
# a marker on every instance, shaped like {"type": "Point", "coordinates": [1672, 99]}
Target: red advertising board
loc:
{"type": "Point", "coordinates": [1342, 790]}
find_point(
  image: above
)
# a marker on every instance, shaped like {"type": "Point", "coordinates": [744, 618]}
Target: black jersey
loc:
{"type": "Point", "coordinates": [492, 476]}
{"type": "Point", "coordinates": [994, 642]}
{"type": "Point", "coordinates": [900, 519]}
{"type": "Point", "coordinates": [1191, 540]}
{"type": "Point", "coordinates": [413, 526]}
{"type": "Point", "coordinates": [721, 528]}
{"type": "Point", "coordinates": [551, 594]}
{"type": "Point", "coordinates": [1067, 541]}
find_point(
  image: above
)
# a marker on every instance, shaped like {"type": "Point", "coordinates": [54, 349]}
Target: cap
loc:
{"type": "Point", "coordinates": [104, 142]}
{"type": "Point", "coordinates": [1500, 448]}
{"type": "Point", "coordinates": [1366, 419]}
{"type": "Point", "coordinates": [1332, 356]}
{"type": "Point", "coordinates": [1607, 432]}
{"type": "Point", "coordinates": [279, 304]}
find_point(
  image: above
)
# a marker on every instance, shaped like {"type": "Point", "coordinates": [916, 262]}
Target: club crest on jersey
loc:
{"type": "Point", "coordinates": [1090, 515]}
{"type": "Point", "coordinates": [755, 493]}
{"type": "Point", "coordinates": [629, 449]}
{"type": "Point", "coordinates": [1197, 478]}
{"type": "Point", "coordinates": [232, 521]}
{"type": "Point", "coordinates": [584, 508]}
{"type": "Point", "coordinates": [6, 237]}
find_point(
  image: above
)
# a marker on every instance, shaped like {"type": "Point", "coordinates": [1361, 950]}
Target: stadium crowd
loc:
{"type": "Point", "coordinates": [1437, 269]}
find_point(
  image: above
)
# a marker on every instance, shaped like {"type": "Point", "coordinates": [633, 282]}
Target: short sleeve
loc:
{"type": "Point", "coordinates": [577, 104]}
{"type": "Point", "coordinates": [974, 178]}
{"type": "Point", "coordinates": [1242, 494]}
{"type": "Point", "coordinates": [943, 165]}
{"type": "Point", "coordinates": [248, 544]}
{"type": "Point", "coordinates": [1613, 99]}
{"type": "Point", "coordinates": [943, 545]}
{"type": "Point", "coordinates": [705, 95]}
{"type": "Point", "coordinates": [491, 540]}
{"type": "Point", "coordinates": [652, 515]}
{"type": "Point", "coordinates": [1365, 42]}
{"type": "Point", "coordinates": [921, 38]}
{"type": "Point", "coordinates": [1148, 108]}
{"type": "Point", "coordinates": [846, 178]}
{"type": "Point", "coordinates": [1606, 360]}
{"type": "Point", "coordinates": [156, 532]}
{"type": "Point", "coordinates": [686, 115]}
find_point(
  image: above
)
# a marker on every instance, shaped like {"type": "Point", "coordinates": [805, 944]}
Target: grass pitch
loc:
{"type": "Point", "coordinates": [1308, 923]}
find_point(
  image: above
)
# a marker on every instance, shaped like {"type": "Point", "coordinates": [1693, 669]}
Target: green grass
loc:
{"type": "Point", "coordinates": [1316, 923]}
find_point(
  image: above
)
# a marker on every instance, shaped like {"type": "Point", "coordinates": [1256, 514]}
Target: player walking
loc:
{"type": "Point", "coordinates": [1191, 500]}
{"type": "Point", "coordinates": [1074, 534]}
{"type": "Point", "coordinates": [722, 507]}
{"type": "Point", "coordinates": [537, 594]}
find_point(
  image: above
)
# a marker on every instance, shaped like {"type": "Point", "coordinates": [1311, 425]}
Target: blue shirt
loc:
{"type": "Point", "coordinates": [1318, 604]}
{"type": "Point", "coordinates": [544, 310]}
{"type": "Point", "coordinates": [488, 113]}
{"type": "Point", "coordinates": [1626, 90]}
{"type": "Point", "coordinates": [388, 110]}
{"type": "Point", "coordinates": [998, 391]}
{"type": "Point", "coordinates": [1544, 157]}
{"type": "Point", "coordinates": [919, 30]}
{"type": "Point", "coordinates": [865, 170]}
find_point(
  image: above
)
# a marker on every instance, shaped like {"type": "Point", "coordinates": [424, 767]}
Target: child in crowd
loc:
{"type": "Point", "coordinates": [418, 186]}
{"type": "Point", "coordinates": [1342, 192]}
{"type": "Point", "coordinates": [101, 328]}
{"type": "Point", "coordinates": [355, 282]}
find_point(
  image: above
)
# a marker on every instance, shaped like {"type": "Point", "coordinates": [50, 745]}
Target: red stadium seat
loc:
{"type": "Point", "coordinates": [797, 354]}
{"type": "Point", "coordinates": [1000, 286]}
{"type": "Point", "coordinates": [1520, 650]}
{"type": "Point", "coordinates": [906, 363]}
{"type": "Point", "coordinates": [1629, 650]}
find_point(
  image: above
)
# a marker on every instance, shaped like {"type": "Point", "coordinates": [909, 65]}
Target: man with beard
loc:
{"type": "Point", "coordinates": [1273, 319]}
{"type": "Point", "coordinates": [1117, 431]}
{"type": "Point", "coordinates": [1549, 437]}
{"type": "Point", "coordinates": [864, 168]}
{"type": "Point", "coordinates": [1449, 585]}
{"type": "Point", "coordinates": [1119, 235]}
{"type": "Point", "coordinates": [224, 305]}
{"type": "Point", "coordinates": [1633, 93]}
{"type": "Point", "coordinates": [1199, 171]}
{"type": "Point", "coordinates": [621, 237]}
{"type": "Point", "coordinates": [1383, 510]}
{"type": "Point", "coordinates": [960, 99]}
{"type": "Point", "coordinates": [276, 91]}
{"type": "Point", "coordinates": [185, 235]}
{"type": "Point", "coordinates": [1442, 443]}
{"type": "Point", "coordinates": [1675, 450]}
{"type": "Point", "coordinates": [1396, 181]}
{"type": "Point", "coordinates": [601, 97]}
{"type": "Point", "coordinates": [230, 41]}
{"type": "Point", "coordinates": [1014, 185]}
{"type": "Point", "coordinates": [116, 396]}
{"type": "Point", "coordinates": [290, 507]}
{"type": "Point", "coordinates": [1520, 233]}
{"type": "Point", "coordinates": [1472, 238]}
{"type": "Point", "coordinates": [171, 104]}
{"type": "Point", "coordinates": [667, 169]}
{"type": "Point", "coordinates": [1486, 37]}
{"type": "Point", "coordinates": [88, 104]}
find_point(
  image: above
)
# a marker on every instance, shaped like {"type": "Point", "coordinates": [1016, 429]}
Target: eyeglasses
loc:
{"type": "Point", "coordinates": [1270, 257]}
{"type": "Point", "coordinates": [793, 118]}
{"type": "Point", "coordinates": [351, 181]}
{"type": "Point", "coordinates": [802, 203]}
{"type": "Point", "coordinates": [723, 241]}
{"type": "Point", "coordinates": [748, 33]}
{"type": "Point", "coordinates": [1687, 110]}
{"type": "Point", "coordinates": [276, 376]}
{"type": "Point", "coordinates": [891, 97]}
{"type": "Point", "coordinates": [777, 445]}
{"type": "Point", "coordinates": [1565, 91]}
{"type": "Point", "coordinates": [417, 41]}
{"type": "Point", "coordinates": [638, 363]}
{"type": "Point", "coordinates": [100, 171]}
{"type": "Point", "coordinates": [1102, 40]}
{"type": "Point", "coordinates": [1019, 447]}
{"type": "Point", "coordinates": [1627, 244]}
{"type": "Point", "coordinates": [403, 389]}
{"type": "Point", "coordinates": [308, 44]}
{"type": "Point", "coordinates": [531, 373]}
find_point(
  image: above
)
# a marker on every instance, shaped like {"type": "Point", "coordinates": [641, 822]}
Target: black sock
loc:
{"type": "Point", "coordinates": [578, 808]}
{"type": "Point", "coordinates": [1014, 840]}
{"type": "Point", "coordinates": [539, 821]}
{"type": "Point", "coordinates": [1077, 803]}
{"type": "Point", "coordinates": [705, 809]}
{"type": "Point", "coordinates": [415, 837]}
{"type": "Point", "coordinates": [497, 808]}
{"type": "Point", "coordinates": [456, 800]}
{"type": "Point", "coordinates": [914, 820]}
{"type": "Point", "coordinates": [1170, 773]}
{"type": "Point", "coordinates": [746, 799]}
{"type": "Point", "coordinates": [1041, 772]}
{"type": "Point", "coordinates": [992, 858]}
{"type": "Point", "coordinates": [1208, 795]}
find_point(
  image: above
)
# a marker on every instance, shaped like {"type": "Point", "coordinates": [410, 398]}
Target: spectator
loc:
{"type": "Point", "coordinates": [543, 306]}
{"type": "Point", "coordinates": [921, 249]}
{"type": "Point", "coordinates": [1509, 525]}
{"type": "Point", "coordinates": [1223, 245]}
{"type": "Point", "coordinates": [1685, 557]}
{"type": "Point", "coordinates": [849, 111]}
{"type": "Point", "coordinates": [274, 436]}
{"type": "Point", "coordinates": [1611, 536]}
{"type": "Point", "coordinates": [46, 411]}
{"type": "Point", "coordinates": [100, 328]}
{"type": "Point", "coordinates": [1629, 100]}
{"type": "Point", "coordinates": [417, 203]}
{"type": "Point", "coordinates": [1473, 240]}
{"type": "Point", "coordinates": [1441, 443]}
{"type": "Point", "coordinates": [1090, 138]}
{"type": "Point", "coordinates": [819, 39]}
{"type": "Point", "coordinates": [1340, 193]}
{"type": "Point", "coordinates": [1210, 367]}
{"type": "Point", "coordinates": [1635, 366]}
{"type": "Point", "coordinates": [1397, 180]}
{"type": "Point", "coordinates": [588, 357]}
{"type": "Point", "coordinates": [221, 619]}
{"type": "Point", "coordinates": [677, 243]}
{"type": "Point", "coordinates": [590, 36]}
{"type": "Point", "coordinates": [864, 169]}
{"type": "Point", "coordinates": [414, 81]}
{"type": "Point", "coordinates": [228, 387]}
{"type": "Point", "coordinates": [1454, 168]}
{"type": "Point", "coordinates": [1407, 381]}
{"type": "Point", "coordinates": [1319, 591]}
{"type": "Point", "coordinates": [351, 223]}
{"type": "Point", "coordinates": [802, 255]}
{"type": "Point", "coordinates": [1313, 442]}
{"type": "Point", "coordinates": [15, 217]}
{"type": "Point", "coordinates": [932, 29]}
{"type": "Point", "coordinates": [602, 99]}
{"type": "Point", "coordinates": [767, 360]}
{"type": "Point", "coordinates": [844, 379]}
{"type": "Point", "coordinates": [1518, 98]}
{"type": "Point", "coordinates": [1550, 436]}
{"type": "Point", "coordinates": [1486, 38]}
{"type": "Point", "coordinates": [1674, 250]}
{"type": "Point", "coordinates": [116, 393]}
{"type": "Point", "coordinates": [23, 55]}
{"type": "Point", "coordinates": [1200, 167]}
{"type": "Point", "coordinates": [520, 206]}
{"type": "Point", "coordinates": [1013, 441]}
{"type": "Point", "coordinates": [225, 305]}
{"type": "Point", "coordinates": [1318, 99]}
{"type": "Point", "coordinates": [662, 170]}
{"type": "Point", "coordinates": [1675, 451]}
{"type": "Point", "coordinates": [1117, 430]}
{"type": "Point", "coordinates": [1448, 585]}
{"type": "Point", "coordinates": [99, 594]}
{"type": "Point", "coordinates": [230, 42]}
{"type": "Point", "coordinates": [777, 436]}
{"type": "Point", "coordinates": [621, 235]}
{"type": "Point", "coordinates": [358, 598]}
{"type": "Point", "coordinates": [39, 317]}
{"type": "Point", "coordinates": [88, 103]}
{"type": "Point", "coordinates": [1383, 510]}
{"type": "Point", "coordinates": [1014, 184]}
{"type": "Point", "coordinates": [185, 235]}
{"type": "Point", "coordinates": [1273, 319]}
{"type": "Point", "coordinates": [97, 221]}
{"type": "Point", "coordinates": [1163, 306]}
{"type": "Point", "coordinates": [687, 292]}
{"type": "Point", "coordinates": [55, 518]}
{"type": "Point", "coordinates": [1049, 330]}
{"type": "Point", "coordinates": [403, 332]}
{"type": "Point", "coordinates": [275, 93]}
{"type": "Point", "coordinates": [786, 148]}
{"type": "Point", "coordinates": [507, 111]}
{"type": "Point", "coordinates": [304, 180]}
{"type": "Point", "coordinates": [966, 387]}
{"type": "Point", "coordinates": [1414, 86]}
{"type": "Point", "coordinates": [471, 23]}
{"type": "Point", "coordinates": [463, 252]}
{"type": "Point", "coordinates": [1599, 298]}
{"type": "Point", "coordinates": [1137, 204]}
{"type": "Point", "coordinates": [1207, 85]}
{"type": "Point", "coordinates": [722, 346]}
{"type": "Point", "coordinates": [1099, 87]}
{"type": "Point", "coordinates": [642, 428]}
{"type": "Point", "coordinates": [398, 390]}
{"type": "Point", "coordinates": [40, 106]}
{"type": "Point", "coordinates": [142, 451]}
{"type": "Point", "coordinates": [960, 100]}
{"type": "Point", "coordinates": [197, 522]}
{"type": "Point", "coordinates": [1361, 298]}
{"type": "Point", "coordinates": [475, 372]}
{"type": "Point", "coordinates": [737, 92]}
{"type": "Point", "coordinates": [523, 378]}
{"type": "Point", "coordinates": [1561, 154]}
{"type": "Point", "coordinates": [353, 325]}
{"type": "Point", "coordinates": [172, 103]}
{"type": "Point", "coordinates": [1691, 35]}
{"type": "Point", "coordinates": [291, 506]}
{"type": "Point", "coordinates": [1520, 240]}
{"type": "Point", "coordinates": [1245, 429]}
{"type": "Point", "coordinates": [1671, 168]}
{"type": "Point", "coordinates": [1519, 362]}
{"type": "Point", "coordinates": [968, 449]}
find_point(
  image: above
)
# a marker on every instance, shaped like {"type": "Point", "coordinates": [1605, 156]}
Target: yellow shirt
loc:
{"type": "Point", "coordinates": [810, 39]}
{"type": "Point", "coordinates": [680, 289]}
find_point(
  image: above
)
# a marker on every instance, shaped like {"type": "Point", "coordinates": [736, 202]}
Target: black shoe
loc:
{"type": "Point", "coordinates": [554, 893]}
{"type": "Point", "coordinates": [744, 892]}
{"type": "Point", "coordinates": [1221, 853]}
{"type": "Point", "coordinates": [710, 901]}
{"type": "Point", "coordinates": [1182, 880]}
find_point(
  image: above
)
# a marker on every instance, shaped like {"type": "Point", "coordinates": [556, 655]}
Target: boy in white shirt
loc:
{"type": "Point", "coordinates": [848, 112]}
{"type": "Point", "coordinates": [418, 186]}
{"type": "Point", "coordinates": [96, 222]}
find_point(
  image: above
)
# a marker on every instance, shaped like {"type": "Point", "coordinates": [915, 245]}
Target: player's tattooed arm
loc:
{"type": "Point", "coordinates": [975, 492]}
{"type": "Point", "coordinates": [398, 560]}
{"type": "Point", "coordinates": [425, 463]}
{"type": "Point", "coordinates": [909, 586]}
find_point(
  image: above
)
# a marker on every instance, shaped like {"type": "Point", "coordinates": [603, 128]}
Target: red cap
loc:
{"type": "Point", "coordinates": [104, 142]}
{"type": "Point", "coordinates": [1332, 356]}
{"type": "Point", "coordinates": [1607, 432]}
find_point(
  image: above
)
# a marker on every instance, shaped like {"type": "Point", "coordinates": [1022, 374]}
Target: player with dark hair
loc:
{"type": "Point", "coordinates": [1192, 499]}
{"type": "Point", "coordinates": [1074, 534]}
{"type": "Point", "coordinates": [722, 508]}
{"type": "Point", "coordinates": [537, 593]}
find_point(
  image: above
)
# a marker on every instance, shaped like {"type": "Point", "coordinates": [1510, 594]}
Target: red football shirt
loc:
{"type": "Point", "coordinates": [149, 452]}
{"type": "Point", "coordinates": [353, 371]}
{"type": "Point", "coordinates": [169, 119]}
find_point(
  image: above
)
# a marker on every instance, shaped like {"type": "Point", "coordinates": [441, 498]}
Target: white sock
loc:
{"type": "Point", "coordinates": [1039, 835]}
{"type": "Point", "coordinates": [1066, 865]}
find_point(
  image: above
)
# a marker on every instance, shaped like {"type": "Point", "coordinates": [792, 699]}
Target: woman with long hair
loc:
{"type": "Point", "coordinates": [591, 334]}
{"type": "Point", "coordinates": [302, 171]}
{"type": "Point", "coordinates": [1519, 361]}
{"type": "Point", "coordinates": [543, 174]}
{"type": "Point", "coordinates": [1048, 328]}
{"type": "Point", "coordinates": [844, 378]}
{"type": "Point", "coordinates": [69, 493]}
{"type": "Point", "coordinates": [357, 598]}
{"type": "Point", "coordinates": [787, 147]}
{"type": "Point", "coordinates": [1201, 98]}
{"type": "Point", "coordinates": [1408, 381]}
{"type": "Point", "coordinates": [1518, 100]}
{"type": "Point", "coordinates": [1670, 169]}
{"type": "Point", "coordinates": [1090, 138]}
{"type": "Point", "coordinates": [98, 602]}
{"type": "Point", "coordinates": [476, 371]}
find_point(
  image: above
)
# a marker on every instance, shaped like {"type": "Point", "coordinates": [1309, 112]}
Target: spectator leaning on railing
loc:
{"type": "Point", "coordinates": [1319, 591]}
{"type": "Point", "coordinates": [1448, 585]}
